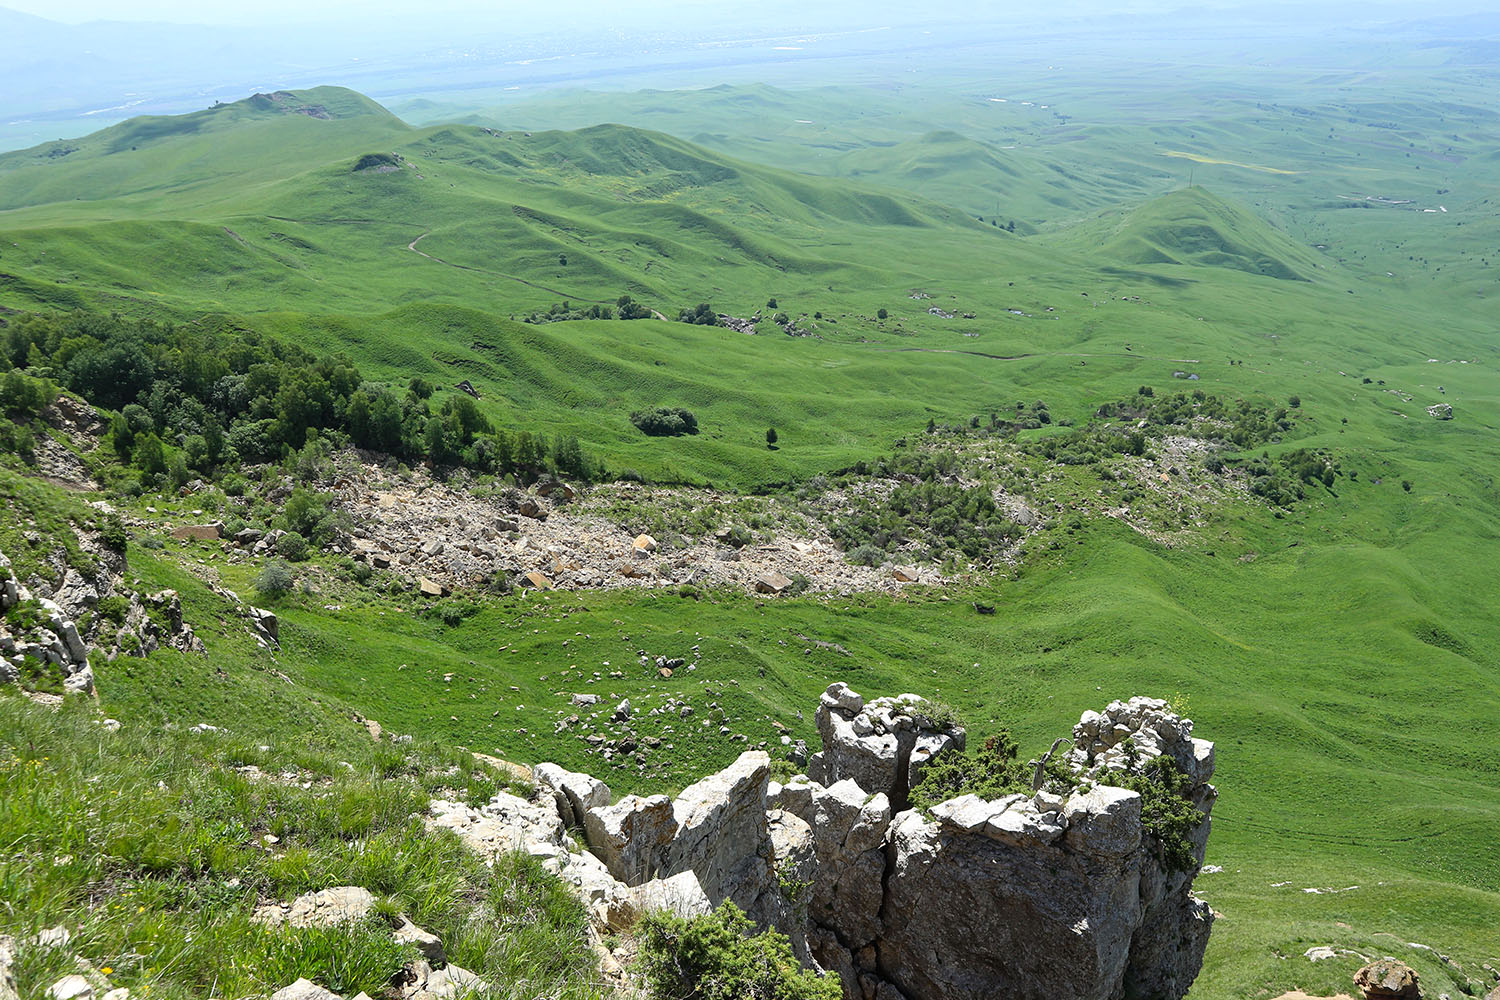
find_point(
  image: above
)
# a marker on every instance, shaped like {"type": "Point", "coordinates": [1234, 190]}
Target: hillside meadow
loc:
{"type": "Point", "coordinates": [1340, 652]}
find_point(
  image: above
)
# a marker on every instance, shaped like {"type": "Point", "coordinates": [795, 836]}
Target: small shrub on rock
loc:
{"type": "Point", "coordinates": [112, 533]}
{"type": "Point", "coordinates": [1166, 812]}
{"type": "Point", "coordinates": [716, 957]}
{"type": "Point", "coordinates": [989, 772]}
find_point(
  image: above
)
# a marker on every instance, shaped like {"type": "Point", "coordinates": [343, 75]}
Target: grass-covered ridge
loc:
{"type": "Point", "coordinates": [1339, 647]}
{"type": "Point", "coordinates": [1192, 226]}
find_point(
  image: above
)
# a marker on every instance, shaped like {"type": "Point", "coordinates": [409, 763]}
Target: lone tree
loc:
{"type": "Point", "coordinates": [770, 437]}
{"type": "Point", "coordinates": [881, 313]}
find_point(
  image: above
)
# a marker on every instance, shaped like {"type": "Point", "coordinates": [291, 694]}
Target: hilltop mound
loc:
{"type": "Point", "coordinates": [271, 135]}
{"type": "Point", "coordinates": [1194, 227]}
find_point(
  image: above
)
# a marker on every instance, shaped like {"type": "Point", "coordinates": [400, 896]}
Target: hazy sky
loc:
{"type": "Point", "coordinates": [264, 12]}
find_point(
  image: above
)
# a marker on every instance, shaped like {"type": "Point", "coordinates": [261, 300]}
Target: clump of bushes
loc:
{"type": "Point", "coordinates": [292, 547]}
{"type": "Point", "coordinates": [701, 315]}
{"type": "Point", "coordinates": [942, 516]}
{"type": "Point", "coordinates": [275, 579]}
{"type": "Point", "coordinates": [1166, 812]}
{"type": "Point", "coordinates": [665, 421]}
{"type": "Point", "coordinates": [202, 399]}
{"type": "Point", "coordinates": [717, 957]}
{"type": "Point", "coordinates": [374, 161]}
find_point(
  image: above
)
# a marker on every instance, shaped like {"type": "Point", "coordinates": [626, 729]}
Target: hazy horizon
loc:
{"type": "Point", "coordinates": [219, 13]}
{"type": "Point", "coordinates": [72, 73]}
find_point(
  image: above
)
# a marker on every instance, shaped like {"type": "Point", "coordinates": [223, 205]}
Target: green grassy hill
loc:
{"type": "Point", "coordinates": [1194, 227]}
{"type": "Point", "coordinates": [1341, 652]}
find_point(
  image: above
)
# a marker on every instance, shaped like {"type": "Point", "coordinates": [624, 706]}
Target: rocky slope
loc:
{"type": "Point", "coordinates": [1029, 895]}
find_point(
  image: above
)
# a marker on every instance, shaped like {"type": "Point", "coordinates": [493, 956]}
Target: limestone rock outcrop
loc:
{"type": "Point", "coordinates": [48, 636]}
{"type": "Point", "coordinates": [882, 745]}
{"type": "Point", "coordinates": [1059, 892]}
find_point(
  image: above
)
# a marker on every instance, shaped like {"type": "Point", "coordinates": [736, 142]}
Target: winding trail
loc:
{"type": "Point", "coordinates": [427, 231]}
{"type": "Point", "coordinates": [412, 246]}
{"type": "Point", "coordinates": [1039, 354]}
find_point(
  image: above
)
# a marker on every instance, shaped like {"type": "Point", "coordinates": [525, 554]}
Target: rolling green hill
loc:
{"type": "Point", "coordinates": [1340, 651]}
{"type": "Point", "coordinates": [1193, 227]}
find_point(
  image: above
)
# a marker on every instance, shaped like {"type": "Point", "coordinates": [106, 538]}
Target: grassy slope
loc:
{"type": "Point", "coordinates": [154, 850]}
{"type": "Point", "coordinates": [1313, 665]}
{"type": "Point", "coordinates": [1341, 761]}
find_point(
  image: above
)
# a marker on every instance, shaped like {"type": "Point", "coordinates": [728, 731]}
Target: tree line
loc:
{"type": "Point", "coordinates": [203, 397]}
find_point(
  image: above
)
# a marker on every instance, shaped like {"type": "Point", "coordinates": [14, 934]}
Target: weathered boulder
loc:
{"type": "Point", "coordinates": [722, 834]}
{"type": "Point", "coordinates": [968, 915]}
{"type": "Point", "coordinates": [428, 945]}
{"type": "Point", "coordinates": [772, 582]}
{"type": "Point", "coordinates": [7, 959]}
{"type": "Point", "coordinates": [1152, 729]}
{"type": "Point", "coordinates": [73, 987]}
{"type": "Point", "coordinates": [630, 835]}
{"type": "Point", "coordinates": [304, 989]}
{"type": "Point", "coordinates": [506, 823]}
{"type": "Point", "coordinates": [325, 908]}
{"type": "Point", "coordinates": [1388, 979]}
{"type": "Point", "coordinates": [575, 793]}
{"type": "Point", "coordinates": [1441, 411]}
{"type": "Point", "coordinates": [420, 981]}
{"type": "Point", "coordinates": [265, 625]}
{"type": "Point", "coordinates": [681, 895]}
{"type": "Point", "coordinates": [883, 744]}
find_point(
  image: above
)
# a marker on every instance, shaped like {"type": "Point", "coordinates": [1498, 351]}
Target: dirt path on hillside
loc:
{"type": "Point", "coordinates": [1041, 354]}
{"type": "Point", "coordinates": [412, 246]}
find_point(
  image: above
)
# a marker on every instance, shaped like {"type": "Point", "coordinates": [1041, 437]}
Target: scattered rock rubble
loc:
{"type": "Point", "coordinates": [1031, 895]}
{"type": "Point", "coordinates": [441, 537]}
{"type": "Point", "coordinates": [431, 977]}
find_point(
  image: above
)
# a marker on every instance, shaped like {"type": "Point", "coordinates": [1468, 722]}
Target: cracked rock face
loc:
{"type": "Point", "coordinates": [882, 745]}
{"type": "Point", "coordinates": [1055, 894]}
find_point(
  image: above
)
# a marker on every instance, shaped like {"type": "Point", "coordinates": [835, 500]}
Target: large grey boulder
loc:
{"type": "Point", "coordinates": [968, 915]}
{"type": "Point", "coordinates": [630, 835]}
{"type": "Point", "coordinates": [1048, 896]}
{"type": "Point", "coordinates": [722, 834]}
{"type": "Point", "coordinates": [881, 744]}
{"type": "Point", "coordinates": [574, 792]}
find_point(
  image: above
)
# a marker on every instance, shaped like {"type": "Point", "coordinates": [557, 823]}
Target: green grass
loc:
{"type": "Point", "coordinates": [153, 848]}
{"type": "Point", "coordinates": [1341, 654]}
{"type": "Point", "coordinates": [1340, 761]}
